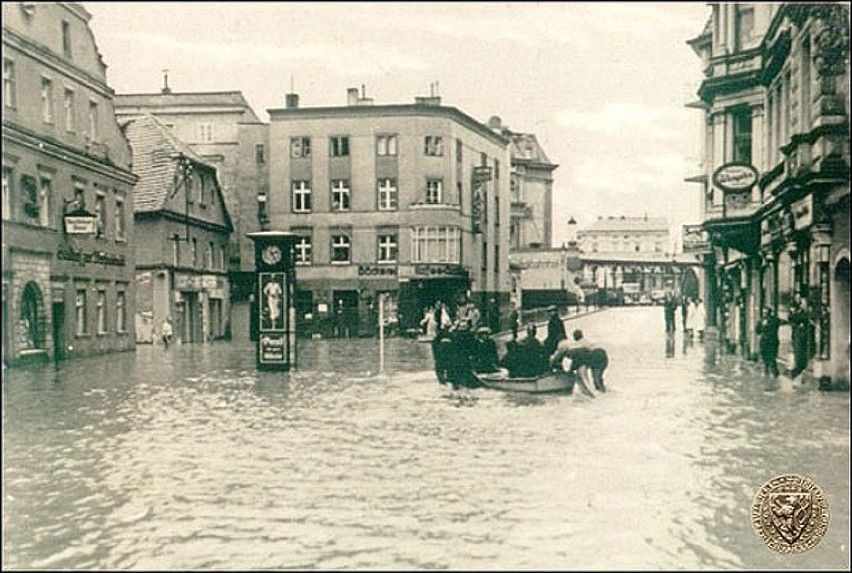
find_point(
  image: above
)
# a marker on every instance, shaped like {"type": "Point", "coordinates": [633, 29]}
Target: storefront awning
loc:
{"type": "Point", "coordinates": [740, 233]}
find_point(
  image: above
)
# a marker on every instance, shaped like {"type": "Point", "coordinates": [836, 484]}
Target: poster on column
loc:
{"type": "Point", "coordinates": [273, 301]}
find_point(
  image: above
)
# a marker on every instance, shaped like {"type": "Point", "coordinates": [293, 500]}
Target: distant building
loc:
{"type": "Point", "coordinates": [410, 201]}
{"type": "Point", "coordinates": [67, 292]}
{"type": "Point", "coordinates": [543, 277]}
{"type": "Point", "coordinates": [181, 264]}
{"type": "Point", "coordinates": [625, 235]}
{"type": "Point", "coordinates": [225, 132]}
{"type": "Point", "coordinates": [774, 176]}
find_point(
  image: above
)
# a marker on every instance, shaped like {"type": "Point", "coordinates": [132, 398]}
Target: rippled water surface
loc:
{"type": "Point", "coordinates": [189, 458]}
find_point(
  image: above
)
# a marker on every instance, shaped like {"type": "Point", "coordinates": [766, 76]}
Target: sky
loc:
{"type": "Point", "coordinates": [603, 86]}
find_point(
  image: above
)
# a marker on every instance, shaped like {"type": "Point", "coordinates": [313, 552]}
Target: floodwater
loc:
{"type": "Point", "coordinates": [189, 458]}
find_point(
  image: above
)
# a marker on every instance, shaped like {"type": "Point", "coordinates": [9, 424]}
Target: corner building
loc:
{"type": "Point", "coordinates": [408, 201]}
{"type": "Point", "coordinates": [775, 98]}
{"type": "Point", "coordinates": [64, 294]}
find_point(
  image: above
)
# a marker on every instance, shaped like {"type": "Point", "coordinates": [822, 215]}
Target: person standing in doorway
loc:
{"type": "Point", "coordinates": [767, 329]}
{"type": "Point", "coordinates": [800, 321]}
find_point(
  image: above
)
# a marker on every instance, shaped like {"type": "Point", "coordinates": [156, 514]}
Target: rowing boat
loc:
{"type": "Point", "coordinates": [543, 384]}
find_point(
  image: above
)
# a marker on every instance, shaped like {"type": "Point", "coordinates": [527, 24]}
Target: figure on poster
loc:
{"type": "Point", "coordinates": [273, 293]}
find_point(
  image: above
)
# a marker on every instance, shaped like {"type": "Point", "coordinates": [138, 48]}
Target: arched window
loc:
{"type": "Point", "coordinates": [30, 328]}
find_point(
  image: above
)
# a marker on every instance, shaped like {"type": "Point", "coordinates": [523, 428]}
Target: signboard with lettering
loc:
{"type": "Point", "coordinates": [80, 225]}
{"type": "Point", "coordinates": [695, 239]}
{"type": "Point", "coordinates": [272, 347]}
{"type": "Point", "coordinates": [440, 270]}
{"type": "Point", "coordinates": [735, 177]}
{"type": "Point", "coordinates": [377, 271]}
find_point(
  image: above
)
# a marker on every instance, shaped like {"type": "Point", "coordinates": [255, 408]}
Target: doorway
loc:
{"type": "Point", "coordinates": [58, 330]}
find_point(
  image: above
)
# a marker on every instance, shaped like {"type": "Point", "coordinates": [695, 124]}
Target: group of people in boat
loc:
{"type": "Point", "coordinates": [461, 351]}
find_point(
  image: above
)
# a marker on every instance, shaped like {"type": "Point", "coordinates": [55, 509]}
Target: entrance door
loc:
{"type": "Point", "coordinates": [58, 330]}
{"type": "Point", "coordinates": [345, 313]}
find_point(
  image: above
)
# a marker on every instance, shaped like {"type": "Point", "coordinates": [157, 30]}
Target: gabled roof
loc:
{"type": "Point", "coordinates": [155, 154]}
{"type": "Point", "coordinates": [525, 147]}
{"type": "Point", "coordinates": [154, 101]}
{"type": "Point", "coordinates": [628, 224]}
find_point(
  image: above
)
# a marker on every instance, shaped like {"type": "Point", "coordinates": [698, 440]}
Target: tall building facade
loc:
{"type": "Point", "coordinates": [775, 176]}
{"type": "Point", "coordinates": [181, 265]}
{"type": "Point", "coordinates": [68, 290]}
{"type": "Point", "coordinates": [405, 201]}
{"type": "Point", "coordinates": [530, 190]}
{"type": "Point", "coordinates": [625, 236]}
{"type": "Point", "coordinates": [224, 131]}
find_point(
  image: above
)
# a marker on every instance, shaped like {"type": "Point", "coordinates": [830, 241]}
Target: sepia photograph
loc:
{"type": "Point", "coordinates": [509, 286]}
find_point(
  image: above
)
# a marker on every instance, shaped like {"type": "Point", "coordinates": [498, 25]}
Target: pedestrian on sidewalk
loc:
{"type": "Point", "coordinates": [767, 329]}
{"type": "Point", "coordinates": [167, 331]}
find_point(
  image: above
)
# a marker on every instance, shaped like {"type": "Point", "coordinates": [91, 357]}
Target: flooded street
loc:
{"type": "Point", "coordinates": [189, 458]}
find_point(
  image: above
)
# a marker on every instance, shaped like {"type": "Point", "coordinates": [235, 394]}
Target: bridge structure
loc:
{"type": "Point", "coordinates": [625, 278]}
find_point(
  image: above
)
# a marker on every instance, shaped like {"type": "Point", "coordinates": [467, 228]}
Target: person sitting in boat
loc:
{"type": "Point", "coordinates": [533, 360]}
{"type": "Point", "coordinates": [454, 356]}
{"type": "Point", "coordinates": [585, 357]}
{"type": "Point", "coordinates": [513, 359]}
{"type": "Point", "coordinates": [485, 357]}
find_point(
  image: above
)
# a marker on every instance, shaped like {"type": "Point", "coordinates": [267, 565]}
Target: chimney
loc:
{"type": "Point", "coordinates": [291, 101]}
{"type": "Point", "coordinates": [352, 96]}
{"type": "Point", "coordinates": [494, 122]}
{"type": "Point", "coordinates": [166, 89]}
{"type": "Point", "coordinates": [427, 100]}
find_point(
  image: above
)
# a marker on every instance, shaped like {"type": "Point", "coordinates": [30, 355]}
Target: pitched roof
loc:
{"type": "Point", "coordinates": [155, 101]}
{"type": "Point", "coordinates": [155, 152]}
{"type": "Point", "coordinates": [525, 147]}
{"type": "Point", "coordinates": [622, 223]}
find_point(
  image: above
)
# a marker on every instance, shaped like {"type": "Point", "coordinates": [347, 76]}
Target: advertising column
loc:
{"type": "Point", "coordinates": [274, 287]}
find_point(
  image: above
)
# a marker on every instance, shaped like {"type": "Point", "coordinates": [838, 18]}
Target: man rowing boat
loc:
{"type": "Point", "coordinates": [584, 357]}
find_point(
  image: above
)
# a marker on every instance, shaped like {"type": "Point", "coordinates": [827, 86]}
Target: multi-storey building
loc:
{"type": "Point", "coordinates": [775, 174]}
{"type": "Point", "coordinates": [405, 200]}
{"type": "Point", "coordinates": [67, 291]}
{"type": "Point", "coordinates": [530, 190]}
{"type": "Point", "coordinates": [625, 235]}
{"type": "Point", "coordinates": [224, 131]}
{"type": "Point", "coordinates": [181, 265]}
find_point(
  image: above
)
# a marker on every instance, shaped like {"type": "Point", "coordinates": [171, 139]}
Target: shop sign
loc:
{"type": "Point", "coordinates": [98, 257]}
{"type": "Point", "coordinates": [432, 270]}
{"type": "Point", "coordinates": [694, 239]}
{"type": "Point", "coordinates": [272, 347]}
{"type": "Point", "coordinates": [80, 224]}
{"type": "Point", "coordinates": [803, 212]}
{"type": "Point", "coordinates": [376, 270]}
{"type": "Point", "coordinates": [735, 177]}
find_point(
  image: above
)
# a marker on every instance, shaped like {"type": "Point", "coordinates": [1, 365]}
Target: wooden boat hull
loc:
{"type": "Point", "coordinates": [547, 383]}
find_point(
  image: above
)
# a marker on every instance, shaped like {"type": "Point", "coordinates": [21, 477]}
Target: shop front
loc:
{"type": "Point", "coordinates": [427, 284]}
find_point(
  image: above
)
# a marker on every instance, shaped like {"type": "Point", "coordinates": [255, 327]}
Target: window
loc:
{"type": "Point", "coordinates": [93, 120]}
{"type": "Point", "coordinates": [259, 153]}
{"type": "Point", "coordinates": [102, 315]}
{"type": "Point", "coordinates": [119, 218]}
{"type": "Point", "coordinates": [45, 193]}
{"type": "Point", "coordinates": [7, 192]}
{"type": "Point", "coordinates": [742, 135]}
{"type": "Point", "coordinates": [435, 244]}
{"type": "Point", "coordinates": [46, 100]}
{"type": "Point", "coordinates": [208, 255]}
{"type": "Point", "coordinates": [10, 87]}
{"type": "Point", "coordinates": [300, 147]}
{"type": "Point", "coordinates": [744, 25]}
{"type": "Point", "coordinates": [303, 250]}
{"type": "Point", "coordinates": [387, 195]}
{"type": "Point", "coordinates": [66, 39]}
{"type": "Point", "coordinates": [340, 195]}
{"type": "Point", "coordinates": [434, 191]}
{"type": "Point", "coordinates": [386, 145]}
{"type": "Point", "coordinates": [80, 311]}
{"type": "Point", "coordinates": [301, 196]}
{"type": "Point", "coordinates": [176, 250]}
{"type": "Point", "coordinates": [433, 145]}
{"type": "Point", "coordinates": [339, 146]}
{"type": "Point", "coordinates": [205, 132]}
{"type": "Point", "coordinates": [120, 312]}
{"type": "Point", "coordinates": [341, 246]}
{"type": "Point", "coordinates": [100, 215]}
{"type": "Point", "coordinates": [388, 248]}
{"type": "Point", "coordinates": [70, 116]}
{"type": "Point", "coordinates": [194, 252]}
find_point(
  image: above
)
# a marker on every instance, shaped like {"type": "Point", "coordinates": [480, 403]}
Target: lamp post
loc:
{"type": "Point", "coordinates": [275, 283]}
